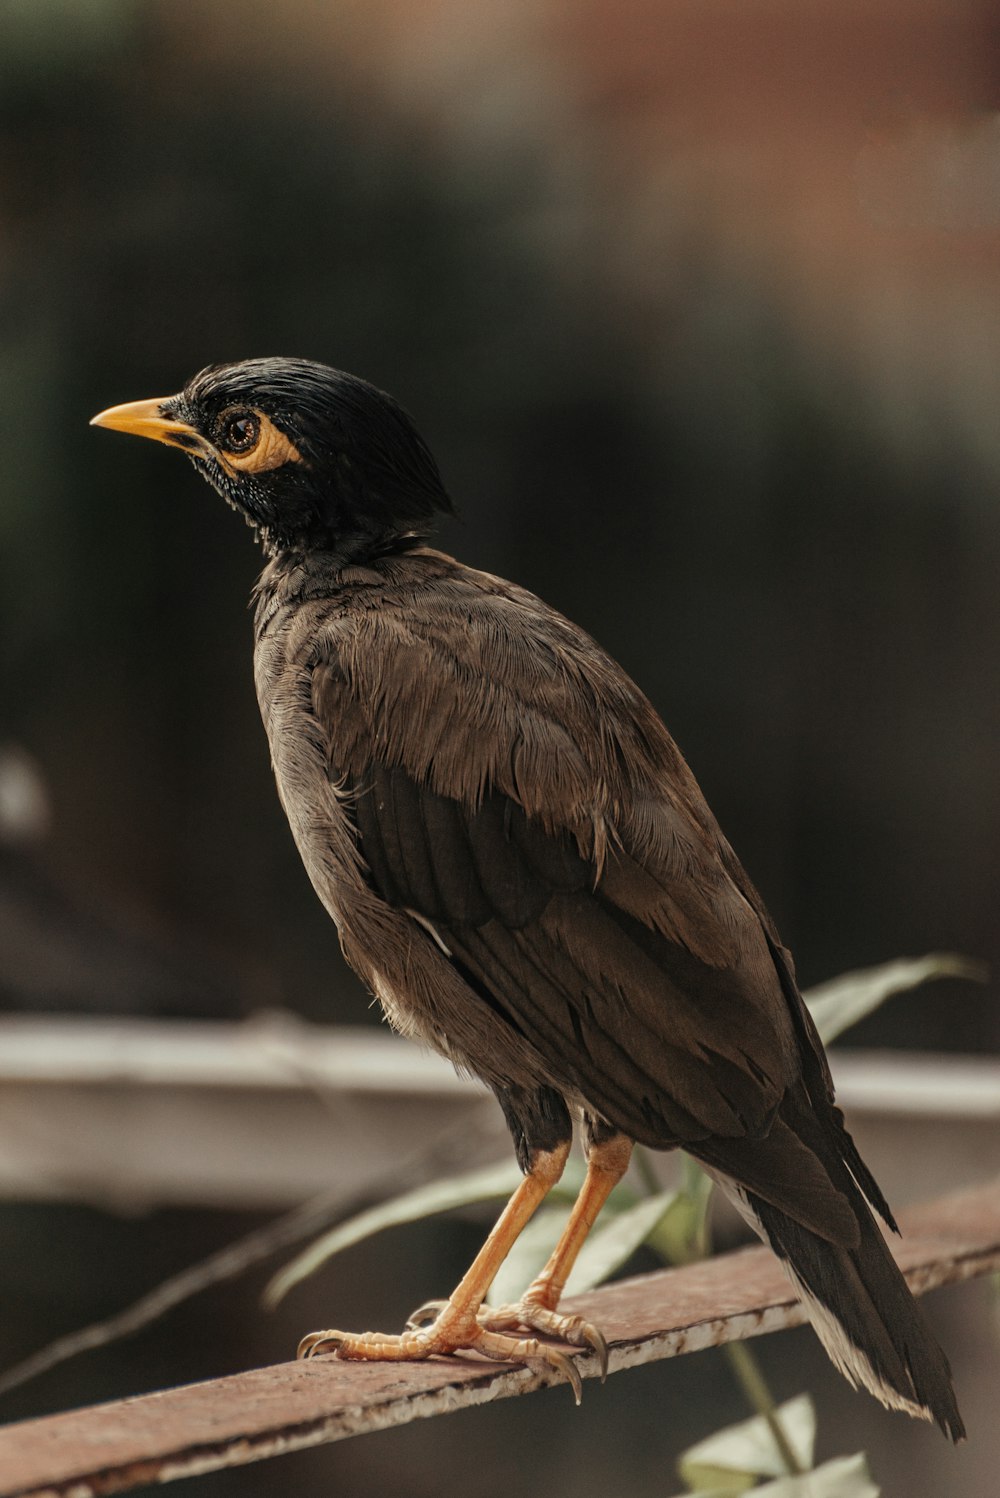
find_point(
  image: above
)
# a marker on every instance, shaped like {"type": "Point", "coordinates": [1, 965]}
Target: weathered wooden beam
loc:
{"type": "Point", "coordinates": [269, 1411]}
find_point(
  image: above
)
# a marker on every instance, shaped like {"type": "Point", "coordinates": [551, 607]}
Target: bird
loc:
{"type": "Point", "coordinates": [525, 873]}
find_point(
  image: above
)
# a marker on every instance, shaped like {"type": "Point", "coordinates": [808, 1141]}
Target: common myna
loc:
{"type": "Point", "coordinates": [523, 869]}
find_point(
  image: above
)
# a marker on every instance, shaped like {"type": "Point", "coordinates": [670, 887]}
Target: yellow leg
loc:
{"type": "Point", "coordinates": [456, 1326]}
{"type": "Point", "coordinates": [546, 1168]}
{"type": "Point", "coordinates": [606, 1164]}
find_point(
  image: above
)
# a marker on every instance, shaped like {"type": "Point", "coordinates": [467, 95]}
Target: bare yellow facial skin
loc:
{"type": "Point", "coordinates": [272, 449]}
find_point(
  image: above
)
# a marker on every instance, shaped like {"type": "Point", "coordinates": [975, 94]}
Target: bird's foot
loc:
{"type": "Point", "coordinates": [449, 1332]}
{"type": "Point", "coordinates": [529, 1314]}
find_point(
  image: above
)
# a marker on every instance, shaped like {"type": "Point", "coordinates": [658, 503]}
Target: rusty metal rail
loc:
{"type": "Point", "coordinates": [230, 1421]}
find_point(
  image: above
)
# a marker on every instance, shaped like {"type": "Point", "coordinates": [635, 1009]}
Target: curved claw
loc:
{"type": "Point", "coordinates": [311, 1344]}
{"type": "Point", "coordinates": [425, 1314]}
{"type": "Point", "coordinates": [584, 1334]}
{"type": "Point", "coordinates": [596, 1340]}
{"type": "Point", "coordinates": [568, 1369]}
{"type": "Point", "coordinates": [510, 1349]}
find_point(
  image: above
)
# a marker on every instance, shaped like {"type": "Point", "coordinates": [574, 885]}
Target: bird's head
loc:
{"type": "Point", "coordinates": [311, 456]}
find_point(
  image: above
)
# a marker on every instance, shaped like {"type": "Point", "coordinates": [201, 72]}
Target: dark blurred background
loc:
{"type": "Point", "coordinates": [697, 305]}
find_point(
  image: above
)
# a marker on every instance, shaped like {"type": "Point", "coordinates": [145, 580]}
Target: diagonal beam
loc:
{"type": "Point", "coordinates": [230, 1421]}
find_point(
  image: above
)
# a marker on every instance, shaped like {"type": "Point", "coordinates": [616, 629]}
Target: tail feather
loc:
{"type": "Point", "coordinates": [862, 1175]}
{"type": "Point", "coordinates": [865, 1316]}
{"type": "Point", "coordinates": [834, 1252]}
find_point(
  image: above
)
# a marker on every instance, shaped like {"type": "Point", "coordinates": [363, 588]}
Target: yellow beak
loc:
{"type": "Point", "coordinates": [144, 419]}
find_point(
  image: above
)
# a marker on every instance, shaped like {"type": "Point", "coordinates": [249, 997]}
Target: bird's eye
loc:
{"type": "Point", "coordinates": [239, 431]}
{"type": "Point", "coordinates": [247, 441]}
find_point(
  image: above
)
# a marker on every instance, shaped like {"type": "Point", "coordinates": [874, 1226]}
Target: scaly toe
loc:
{"type": "Point", "coordinates": [538, 1318]}
{"type": "Point", "coordinates": [528, 1349]}
{"type": "Point", "coordinates": [573, 1329]}
{"type": "Point", "coordinates": [376, 1346]}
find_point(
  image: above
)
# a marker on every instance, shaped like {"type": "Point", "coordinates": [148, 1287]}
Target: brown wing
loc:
{"type": "Point", "coordinates": [514, 791]}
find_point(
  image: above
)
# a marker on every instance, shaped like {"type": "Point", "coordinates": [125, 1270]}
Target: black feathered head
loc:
{"type": "Point", "coordinates": [311, 456]}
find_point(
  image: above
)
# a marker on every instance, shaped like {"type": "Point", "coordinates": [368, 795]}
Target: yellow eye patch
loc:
{"type": "Point", "coordinates": [261, 446]}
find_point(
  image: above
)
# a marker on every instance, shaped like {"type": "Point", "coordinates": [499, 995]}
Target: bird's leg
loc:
{"type": "Point", "coordinates": [607, 1162]}
{"type": "Point", "coordinates": [456, 1326]}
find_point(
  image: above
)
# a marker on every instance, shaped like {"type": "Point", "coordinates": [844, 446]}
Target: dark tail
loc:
{"type": "Point", "coordinates": [797, 1187]}
{"type": "Point", "coordinates": [865, 1316]}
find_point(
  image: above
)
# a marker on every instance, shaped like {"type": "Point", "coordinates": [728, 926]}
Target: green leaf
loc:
{"type": "Point", "coordinates": [844, 1477]}
{"type": "Point", "coordinates": [680, 1235]}
{"type": "Point", "coordinates": [486, 1184]}
{"type": "Point", "coordinates": [842, 1002]}
{"type": "Point", "coordinates": [733, 1458]}
{"type": "Point", "coordinates": [616, 1239]}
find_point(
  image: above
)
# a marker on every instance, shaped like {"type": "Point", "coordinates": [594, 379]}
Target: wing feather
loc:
{"type": "Point", "coordinates": [510, 785]}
